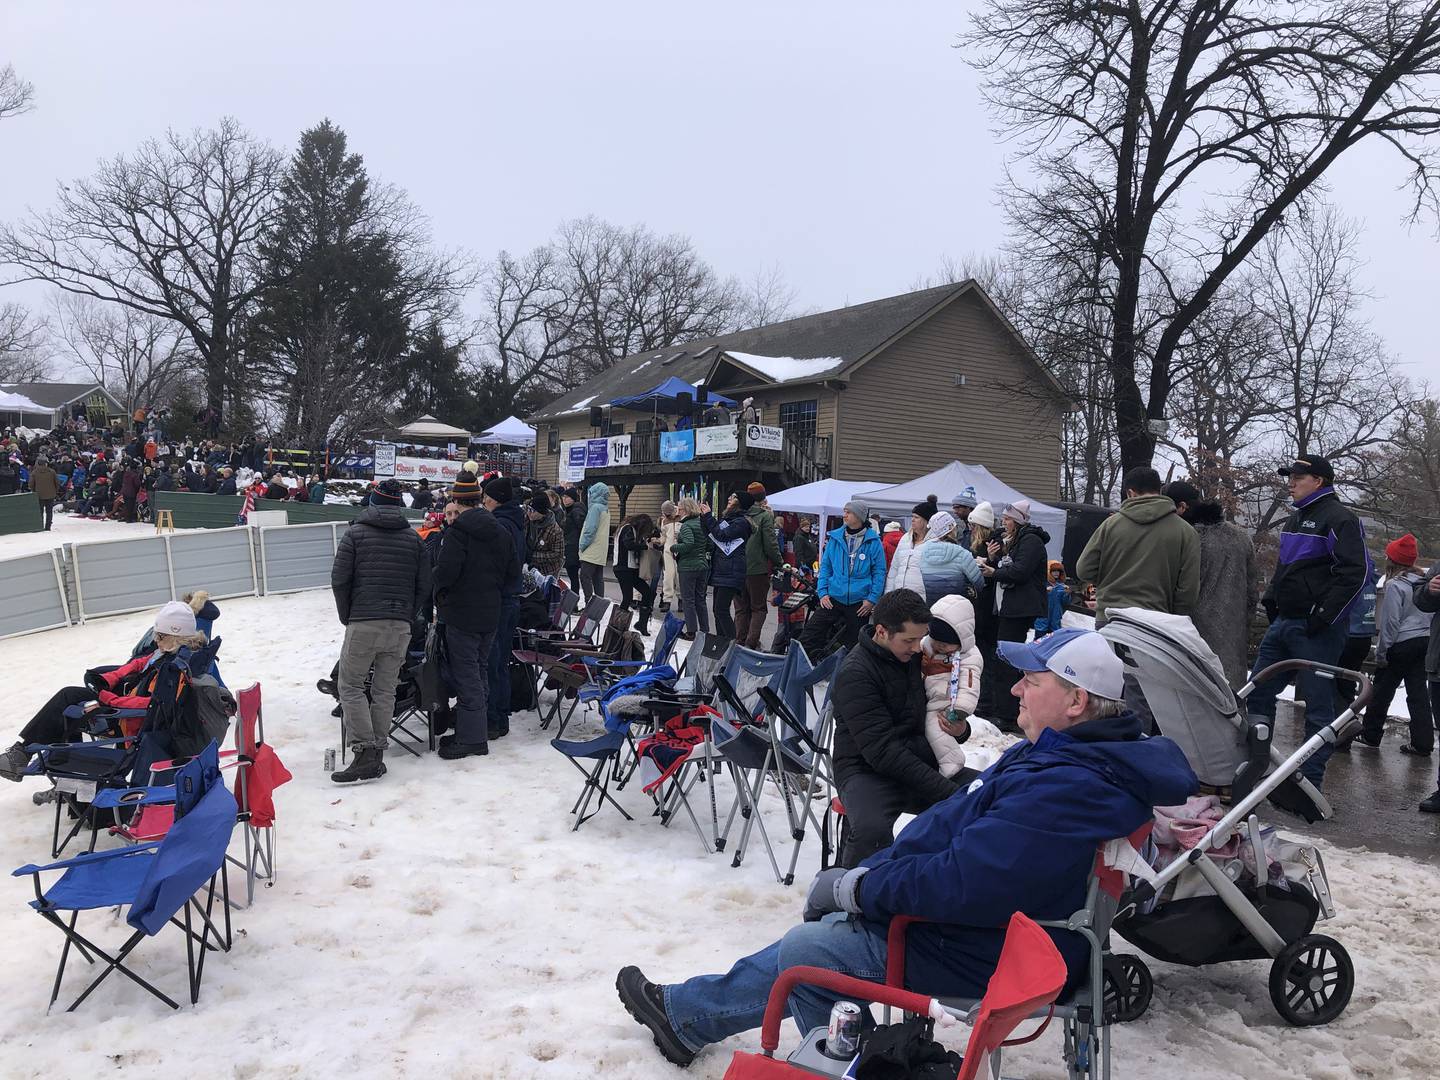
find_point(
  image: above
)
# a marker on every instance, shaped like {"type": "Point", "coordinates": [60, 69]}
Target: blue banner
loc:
{"type": "Point", "coordinates": [597, 453]}
{"type": "Point", "coordinates": [677, 446]}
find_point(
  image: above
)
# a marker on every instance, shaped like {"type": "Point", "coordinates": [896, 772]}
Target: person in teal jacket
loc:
{"type": "Point", "coordinates": [852, 580]}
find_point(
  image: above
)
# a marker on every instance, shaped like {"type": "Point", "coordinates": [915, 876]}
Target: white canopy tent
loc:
{"type": "Point", "coordinates": [18, 407]}
{"type": "Point", "coordinates": [427, 427]}
{"type": "Point", "coordinates": [945, 482]}
{"type": "Point", "coordinates": [512, 431]}
{"type": "Point", "coordinates": [824, 498]}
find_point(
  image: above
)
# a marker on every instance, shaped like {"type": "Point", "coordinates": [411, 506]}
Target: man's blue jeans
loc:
{"type": "Point", "coordinates": [709, 1008]}
{"type": "Point", "coordinates": [1287, 640]}
{"type": "Point", "coordinates": [499, 704]}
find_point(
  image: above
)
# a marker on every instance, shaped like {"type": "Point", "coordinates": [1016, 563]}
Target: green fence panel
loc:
{"type": "Point", "coordinates": [19, 514]}
{"type": "Point", "coordinates": [194, 511]}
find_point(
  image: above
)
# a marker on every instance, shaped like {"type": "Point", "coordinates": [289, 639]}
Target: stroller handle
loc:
{"type": "Point", "coordinates": [1332, 671]}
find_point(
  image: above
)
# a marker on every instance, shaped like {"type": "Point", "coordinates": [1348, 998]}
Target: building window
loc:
{"type": "Point", "coordinates": [616, 428]}
{"type": "Point", "coordinates": [798, 420]}
{"type": "Point", "coordinates": [552, 441]}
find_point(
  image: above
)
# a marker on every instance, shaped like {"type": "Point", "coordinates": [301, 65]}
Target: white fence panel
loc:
{"type": "Point", "coordinates": [220, 561]}
{"type": "Point", "coordinates": [32, 594]}
{"type": "Point", "coordinates": [115, 576]}
{"type": "Point", "coordinates": [295, 557]}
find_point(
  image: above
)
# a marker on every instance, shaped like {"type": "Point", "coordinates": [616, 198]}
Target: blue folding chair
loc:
{"type": "Point", "coordinates": [158, 882]}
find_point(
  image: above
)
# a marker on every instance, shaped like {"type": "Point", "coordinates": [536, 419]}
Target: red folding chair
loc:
{"type": "Point", "coordinates": [1029, 976]}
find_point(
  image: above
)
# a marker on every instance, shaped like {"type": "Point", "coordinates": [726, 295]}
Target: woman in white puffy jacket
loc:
{"type": "Point", "coordinates": [905, 572]}
{"type": "Point", "coordinates": [952, 665]}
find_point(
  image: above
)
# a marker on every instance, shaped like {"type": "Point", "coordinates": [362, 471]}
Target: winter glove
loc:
{"type": "Point", "coordinates": [835, 889]}
{"type": "Point", "coordinates": [1316, 624]}
{"type": "Point", "coordinates": [94, 682]}
{"type": "Point", "coordinates": [1272, 609]}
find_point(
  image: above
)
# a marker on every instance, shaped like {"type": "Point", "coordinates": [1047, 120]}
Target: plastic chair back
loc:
{"type": "Point", "coordinates": [1031, 973]}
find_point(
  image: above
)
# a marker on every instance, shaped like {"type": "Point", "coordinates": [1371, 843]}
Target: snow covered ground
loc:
{"type": "Point", "coordinates": [69, 529]}
{"type": "Point", "coordinates": [446, 923]}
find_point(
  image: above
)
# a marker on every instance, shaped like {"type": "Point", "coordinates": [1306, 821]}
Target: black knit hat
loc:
{"type": "Point", "coordinates": [940, 630]}
{"type": "Point", "coordinates": [745, 499]}
{"type": "Point", "coordinates": [540, 503]}
{"type": "Point", "coordinates": [927, 509]}
{"type": "Point", "coordinates": [500, 489]}
{"type": "Point", "coordinates": [386, 493]}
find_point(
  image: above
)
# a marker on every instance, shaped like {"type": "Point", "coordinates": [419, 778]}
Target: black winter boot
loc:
{"type": "Point", "coordinates": [644, 628]}
{"type": "Point", "coordinates": [14, 761]}
{"type": "Point", "coordinates": [367, 764]}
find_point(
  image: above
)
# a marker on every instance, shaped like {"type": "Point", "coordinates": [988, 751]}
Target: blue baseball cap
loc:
{"type": "Point", "coordinates": [1081, 656]}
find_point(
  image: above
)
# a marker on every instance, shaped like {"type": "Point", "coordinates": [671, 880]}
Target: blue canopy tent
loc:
{"type": "Point", "coordinates": [665, 398]}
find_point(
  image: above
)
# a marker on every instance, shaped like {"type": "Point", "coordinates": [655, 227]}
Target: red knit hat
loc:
{"type": "Point", "coordinates": [1404, 551]}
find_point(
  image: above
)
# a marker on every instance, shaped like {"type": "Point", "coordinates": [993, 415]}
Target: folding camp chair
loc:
{"type": "Point", "coordinates": [77, 771]}
{"type": "Point", "coordinates": [569, 672]}
{"type": "Point", "coordinates": [1028, 977]}
{"type": "Point", "coordinates": [603, 755]}
{"type": "Point", "coordinates": [537, 648]}
{"type": "Point", "coordinates": [603, 673]}
{"type": "Point", "coordinates": [158, 882]}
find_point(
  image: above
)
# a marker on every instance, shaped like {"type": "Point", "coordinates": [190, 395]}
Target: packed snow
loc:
{"type": "Point", "coordinates": [581, 405]}
{"type": "Point", "coordinates": [446, 922]}
{"type": "Point", "coordinates": [786, 368]}
{"type": "Point", "coordinates": [70, 529]}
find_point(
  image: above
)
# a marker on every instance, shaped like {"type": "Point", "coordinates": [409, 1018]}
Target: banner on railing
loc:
{"type": "Point", "coordinates": [433, 469]}
{"type": "Point", "coordinates": [620, 450]}
{"type": "Point", "coordinates": [677, 446]}
{"type": "Point", "coordinates": [717, 440]}
{"type": "Point", "coordinates": [760, 437]}
{"type": "Point", "coordinates": [572, 461]}
{"type": "Point", "coordinates": [597, 453]}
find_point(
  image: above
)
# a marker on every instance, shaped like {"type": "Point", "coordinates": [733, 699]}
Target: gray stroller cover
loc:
{"type": "Point", "coordinates": [1185, 684]}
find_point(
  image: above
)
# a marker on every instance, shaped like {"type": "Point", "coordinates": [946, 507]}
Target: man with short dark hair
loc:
{"type": "Point", "coordinates": [500, 498]}
{"type": "Point", "coordinates": [1021, 838]}
{"type": "Point", "coordinates": [1144, 555]}
{"type": "Point", "coordinates": [851, 581]}
{"type": "Point", "coordinates": [884, 766]}
{"type": "Point", "coordinates": [1320, 573]}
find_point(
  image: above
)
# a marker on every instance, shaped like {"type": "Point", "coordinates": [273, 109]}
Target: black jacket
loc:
{"type": "Point", "coordinates": [9, 479]}
{"type": "Point", "coordinates": [477, 560]}
{"type": "Point", "coordinates": [573, 522]}
{"type": "Point", "coordinates": [512, 519]}
{"type": "Point", "coordinates": [880, 721]}
{"type": "Point", "coordinates": [1322, 565]}
{"type": "Point", "coordinates": [423, 499]}
{"type": "Point", "coordinates": [380, 569]}
{"type": "Point", "coordinates": [1024, 576]}
{"type": "Point", "coordinates": [227, 486]}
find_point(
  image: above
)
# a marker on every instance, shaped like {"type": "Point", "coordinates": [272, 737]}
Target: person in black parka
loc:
{"type": "Point", "coordinates": [1018, 568]}
{"type": "Point", "coordinates": [884, 766]}
{"type": "Point", "coordinates": [572, 520]}
{"type": "Point", "coordinates": [380, 578]}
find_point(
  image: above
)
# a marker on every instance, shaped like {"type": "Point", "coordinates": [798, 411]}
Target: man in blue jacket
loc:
{"type": "Point", "coordinates": [1022, 837]}
{"type": "Point", "coordinates": [852, 577]}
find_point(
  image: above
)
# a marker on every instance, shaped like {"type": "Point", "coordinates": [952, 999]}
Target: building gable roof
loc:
{"type": "Point", "coordinates": [53, 395]}
{"type": "Point", "coordinates": [809, 348]}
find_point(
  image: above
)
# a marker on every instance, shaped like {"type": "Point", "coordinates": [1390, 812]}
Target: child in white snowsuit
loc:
{"type": "Point", "coordinates": [952, 666]}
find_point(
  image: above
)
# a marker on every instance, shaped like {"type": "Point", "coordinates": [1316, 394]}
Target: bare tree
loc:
{"type": "Point", "coordinates": [1406, 483]}
{"type": "Point", "coordinates": [139, 358]}
{"type": "Point", "coordinates": [24, 340]}
{"type": "Point", "coordinates": [768, 298]}
{"type": "Point", "coordinates": [16, 95]}
{"type": "Point", "coordinates": [170, 232]}
{"type": "Point", "coordinates": [1194, 130]}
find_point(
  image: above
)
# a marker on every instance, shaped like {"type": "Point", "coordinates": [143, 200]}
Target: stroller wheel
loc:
{"type": "Point", "coordinates": [1128, 988]}
{"type": "Point", "coordinates": [1311, 981]}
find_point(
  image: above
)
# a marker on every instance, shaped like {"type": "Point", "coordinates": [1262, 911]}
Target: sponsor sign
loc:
{"type": "Point", "coordinates": [436, 470]}
{"type": "Point", "coordinates": [597, 453]}
{"type": "Point", "coordinates": [717, 440]}
{"type": "Point", "coordinates": [760, 437]}
{"type": "Point", "coordinates": [572, 460]}
{"type": "Point", "coordinates": [384, 460]}
{"type": "Point", "coordinates": [677, 446]}
{"type": "Point", "coordinates": [620, 450]}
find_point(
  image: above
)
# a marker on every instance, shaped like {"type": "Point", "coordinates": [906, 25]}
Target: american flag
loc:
{"type": "Point", "coordinates": [249, 505]}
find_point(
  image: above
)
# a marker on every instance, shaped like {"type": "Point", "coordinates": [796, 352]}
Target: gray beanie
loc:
{"type": "Point", "coordinates": [859, 509]}
{"type": "Point", "coordinates": [966, 498]}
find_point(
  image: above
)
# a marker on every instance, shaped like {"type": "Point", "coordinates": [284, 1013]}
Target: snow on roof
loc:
{"type": "Point", "coordinates": [642, 367]}
{"type": "Point", "coordinates": [581, 405]}
{"type": "Point", "coordinates": [787, 368]}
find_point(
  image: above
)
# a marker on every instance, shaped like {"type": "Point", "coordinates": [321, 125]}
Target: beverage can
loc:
{"type": "Point", "coordinates": [329, 759]}
{"type": "Point", "coordinates": [843, 1040]}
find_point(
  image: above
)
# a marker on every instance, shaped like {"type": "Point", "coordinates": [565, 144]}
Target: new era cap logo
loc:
{"type": "Point", "coordinates": [1069, 670]}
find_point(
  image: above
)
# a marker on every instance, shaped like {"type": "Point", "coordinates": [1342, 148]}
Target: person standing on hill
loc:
{"type": "Point", "coordinates": [1017, 566]}
{"type": "Point", "coordinates": [46, 485]}
{"type": "Point", "coordinates": [380, 578]}
{"type": "Point", "coordinates": [500, 499]}
{"type": "Point", "coordinates": [728, 537]}
{"type": "Point", "coordinates": [1400, 647]}
{"type": "Point", "coordinates": [851, 582]}
{"type": "Point", "coordinates": [544, 537]}
{"type": "Point", "coordinates": [762, 556]}
{"type": "Point", "coordinates": [691, 552]}
{"type": "Point", "coordinates": [905, 571]}
{"type": "Point", "coordinates": [572, 523]}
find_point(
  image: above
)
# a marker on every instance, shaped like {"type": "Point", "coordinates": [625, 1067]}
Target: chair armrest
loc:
{"type": "Point", "coordinates": [895, 948]}
{"type": "Point", "coordinates": [114, 798]}
{"type": "Point", "coordinates": [777, 1008]}
{"type": "Point", "coordinates": [600, 661]}
{"type": "Point", "coordinates": [81, 860]}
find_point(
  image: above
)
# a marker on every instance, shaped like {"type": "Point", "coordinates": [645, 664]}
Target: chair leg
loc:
{"type": "Point", "coordinates": [596, 787]}
{"type": "Point", "coordinates": [116, 963]}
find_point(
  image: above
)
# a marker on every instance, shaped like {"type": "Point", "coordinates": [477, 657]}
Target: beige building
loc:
{"type": "Point", "coordinates": [884, 391]}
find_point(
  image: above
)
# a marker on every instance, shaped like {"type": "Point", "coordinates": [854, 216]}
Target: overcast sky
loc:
{"type": "Point", "coordinates": [845, 142]}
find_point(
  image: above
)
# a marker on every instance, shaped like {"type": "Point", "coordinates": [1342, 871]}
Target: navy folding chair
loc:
{"type": "Point", "coordinates": [158, 882]}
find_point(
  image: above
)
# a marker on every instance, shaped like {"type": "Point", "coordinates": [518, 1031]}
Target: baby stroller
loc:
{"type": "Point", "coordinates": [793, 596]}
{"type": "Point", "coordinates": [1241, 892]}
